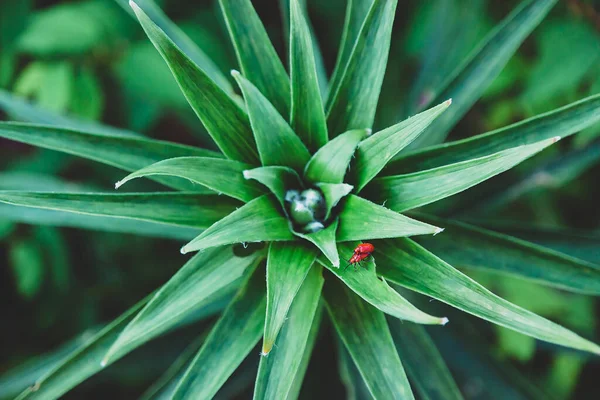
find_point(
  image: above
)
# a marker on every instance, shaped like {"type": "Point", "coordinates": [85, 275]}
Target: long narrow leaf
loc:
{"type": "Point", "coordinates": [277, 372]}
{"type": "Point", "coordinates": [182, 209]}
{"type": "Point", "coordinates": [367, 337]}
{"type": "Point", "coordinates": [127, 153]}
{"type": "Point", "coordinates": [410, 265]}
{"type": "Point", "coordinates": [258, 220]}
{"type": "Point", "coordinates": [423, 362]}
{"type": "Point", "coordinates": [469, 246]}
{"type": "Point", "coordinates": [187, 45]}
{"type": "Point", "coordinates": [485, 63]}
{"type": "Point", "coordinates": [360, 219]}
{"type": "Point", "coordinates": [234, 335]}
{"type": "Point", "coordinates": [325, 240]}
{"type": "Point", "coordinates": [221, 175]}
{"type": "Point", "coordinates": [255, 53]}
{"type": "Point", "coordinates": [288, 265]}
{"type": "Point", "coordinates": [365, 283]}
{"type": "Point", "coordinates": [224, 120]}
{"type": "Point", "coordinates": [354, 102]}
{"type": "Point", "coordinates": [375, 151]}
{"type": "Point", "coordinates": [277, 143]}
{"type": "Point", "coordinates": [330, 163]}
{"type": "Point", "coordinates": [278, 179]}
{"type": "Point", "coordinates": [205, 274]}
{"type": "Point", "coordinates": [404, 192]}
{"type": "Point", "coordinates": [307, 113]}
{"type": "Point", "coordinates": [562, 122]}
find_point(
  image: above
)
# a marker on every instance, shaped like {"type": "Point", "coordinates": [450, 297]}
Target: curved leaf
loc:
{"type": "Point", "coordinates": [277, 372]}
{"type": "Point", "coordinates": [352, 103]}
{"type": "Point", "coordinates": [277, 143]}
{"type": "Point", "coordinates": [127, 153]}
{"type": "Point", "coordinates": [562, 122]}
{"type": "Point", "coordinates": [374, 152]}
{"type": "Point", "coordinates": [229, 342]}
{"type": "Point", "coordinates": [278, 179]}
{"type": "Point", "coordinates": [358, 324]}
{"type": "Point", "coordinates": [221, 175]}
{"type": "Point", "coordinates": [207, 273]}
{"type": "Point", "coordinates": [485, 63]}
{"type": "Point", "coordinates": [410, 265]}
{"type": "Point", "coordinates": [307, 114]}
{"type": "Point", "coordinates": [404, 192]}
{"type": "Point", "coordinates": [333, 193]}
{"type": "Point", "coordinates": [365, 283]}
{"type": "Point", "coordinates": [330, 163]}
{"type": "Point", "coordinates": [255, 53]}
{"type": "Point", "coordinates": [258, 220]}
{"type": "Point", "coordinates": [360, 219]}
{"type": "Point", "coordinates": [325, 240]}
{"type": "Point", "coordinates": [182, 209]}
{"type": "Point", "coordinates": [469, 246]}
{"type": "Point", "coordinates": [224, 120]}
{"type": "Point", "coordinates": [424, 364]}
{"type": "Point", "coordinates": [288, 264]}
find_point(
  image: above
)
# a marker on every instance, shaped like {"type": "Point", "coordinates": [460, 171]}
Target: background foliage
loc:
{"type": "Point", "coordinates": [90, 59]}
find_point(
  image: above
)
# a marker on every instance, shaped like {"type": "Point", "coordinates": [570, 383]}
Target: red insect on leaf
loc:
{"type": "Point", "coordinates": [361, 252]}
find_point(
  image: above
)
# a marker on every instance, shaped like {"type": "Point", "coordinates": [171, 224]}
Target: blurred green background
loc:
{"type": "Point", "coordinates": [91, 60]}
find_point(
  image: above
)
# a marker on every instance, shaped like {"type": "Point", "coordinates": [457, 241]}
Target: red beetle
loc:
{"type": "Point", "coordinates": [361, 252]}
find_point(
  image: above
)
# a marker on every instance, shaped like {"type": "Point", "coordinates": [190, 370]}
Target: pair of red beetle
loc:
{"type": "Point", "coordinates": [361, 252]}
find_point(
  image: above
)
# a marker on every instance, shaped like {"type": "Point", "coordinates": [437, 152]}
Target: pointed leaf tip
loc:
{"type": "Point", "coordinates": [438, 230]}
{"type": "Point", "coordinates": [235, 73]}
{"type": "Point", "coordinates": [556, 139]}
{"type": "Point", "coordinates": [445, 321]}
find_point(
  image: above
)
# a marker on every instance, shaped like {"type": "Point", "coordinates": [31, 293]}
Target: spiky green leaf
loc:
{"type": "Point", "coordinates": [325, 240]}
{"type": "Point", "coordinates": [307, 113]}
{"type": "Point", "coordinates": [277, 143]}
{"type": "Point", "coordinates": [333, 193]}
{"type": "Point", "coordinates": [352, 103]}
{"type": "Point", "coordinates": [255, 53]}
{"type": "Point", "coordinates": [367, 337]}
{"type": "Point", "coordinates": [278, 179]}
{"type": "Point", "coordinates": [258, 220]}
{"type": "Point", "coordinates": [404, 192]}
{"type": "Point", "coordinates": [330, 163]}
{"type": "Point", "coordinates": [478, 71]}
{"type": "Point", "coordinates": [224, 120]}
{"type": "Point", "coordinates": [410, 265]}
{"type": "Point", "coordinates": [287, 267]}
{"type": "Point", "coordinates": [221, 175]}
{"type": "Point", "coordinates": [229, 342]}
{"type": "Point", "coordinates": [278, 371]}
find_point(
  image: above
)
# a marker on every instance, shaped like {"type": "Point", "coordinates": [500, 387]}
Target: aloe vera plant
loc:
{"type": "Point", "coordinates": [301, 179]}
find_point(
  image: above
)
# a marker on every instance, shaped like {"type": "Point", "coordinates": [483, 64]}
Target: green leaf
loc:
{"type": "Point", "coordinates": [404, 192]}
{"type": "Point", "coordinates": [307, 114]}
{"type": "Point", "coordinates": [205, 274]}
{"type": "Point", "coordinates": [27, 262]}
{"type": "Point", "coordinates": [258, 220]}
{"type": "Point", "coordinates": [20, 109]}
{"type": "Point", "coordinates": [181, 209]}
{"type": "Point", "coordinates": [410, 265]}
{"type": "Point", "coordinates": [374, 152]}
{"type": "Point", "coordinates": [562, 122]}
{"type": "Point", "coordinates": [181, 40]}
{"type": "Point", "coordinates": [356, 14]}
{"type": "Point", "coordinates": [333, 193]}
{"type": "Point", "coordinates": [229, 342]}
{"type": "Point", "coordinates": [221, 175]}
{"type": "Point", "coordinates": [82, 362]}
{"type": "Point", "coordinates": [365, 283]}
{"type": "Point", "coordinates": [330, 163]}
{"type": "Point", "coordinates": [475, 74]}
{"type": "Point", "coordinates": [255, 53]}
{"type": "Point", "coordinates": [367, 337]}
{"type": "Point", "coordinates": [278, 179]}
{"type": "Point", "coordinates": [224, 120]}
{"type": "Point", "coordinates": [277, 372]}
{"type": "Point", "coordinates": [127, 153]}
{"type": "Point", "coordinates": [360, 219]}
{"type": "Point", "coordinates": [350, 376]}
{"type": "Point", "coordinates": [287, 267]}
{"type": "Point", "coordinates": [424, 364]}
{"type": "Point", "coordinates": [352, 104]}
{"type": "Point", "coordinates": [325, 240]}
{"type": "Point", "coordinates": [277, 143]}
{"type": "Point", "coordinates": [87, 98]}
{"type": "Point", "coordinates": [469, 246]}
